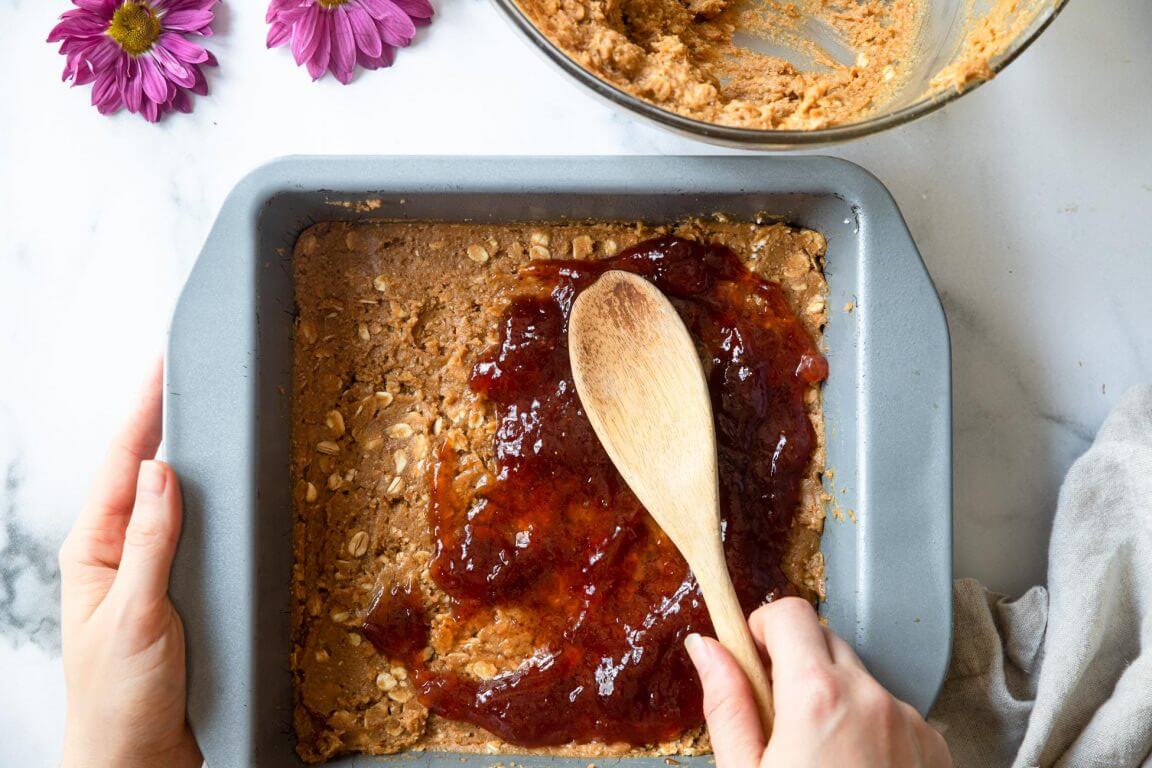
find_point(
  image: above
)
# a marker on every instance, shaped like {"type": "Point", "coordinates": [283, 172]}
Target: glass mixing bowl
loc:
{"type": "Point", "coordinates": [946, 27]}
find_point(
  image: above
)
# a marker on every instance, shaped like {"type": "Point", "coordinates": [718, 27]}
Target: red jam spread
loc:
{"type": "Point", "coordinates": [556, 535]}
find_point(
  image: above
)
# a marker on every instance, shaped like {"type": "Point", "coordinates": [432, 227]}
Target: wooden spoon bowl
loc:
{"type": "Point", "coordinates": [641, 384]}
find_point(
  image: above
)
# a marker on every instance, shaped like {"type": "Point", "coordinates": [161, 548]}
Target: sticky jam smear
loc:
{"type": "Point", "coordinates": [555, 537]}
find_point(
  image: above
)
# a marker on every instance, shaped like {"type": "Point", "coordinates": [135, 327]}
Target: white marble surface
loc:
{"type": "Point", "coordinates": [1031, 200]}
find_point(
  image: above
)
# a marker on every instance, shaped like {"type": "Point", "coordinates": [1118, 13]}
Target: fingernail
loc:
{"type": "Point", "coordinates": [152, 479]}
{"type": "Point", "coordinates": [696, 647]}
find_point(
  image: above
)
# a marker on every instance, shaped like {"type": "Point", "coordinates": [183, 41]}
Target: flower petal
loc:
{"type": "Point", "coordinates": [187, 21]}
{"type": "Point", "coordinates": [83, 73]}
{"type": "Point", "coordinates": [278, 7]}
{"type": "Point", "coordinates": [419, 10]}
{"type": "Point", "coordinates": [102, 7]}
{"type": "Point", "coordinates": [375, 8]}
{"type": "Point", "coordinates": [106, 54]}
{"type": "Point", "coordinates": [77, 26]}
{"type": "Point", "coordinates": [200, 87]}
{"type": "Point", "coordinates": [174, 69]}
{"type": "Point", "coordinates": [364, 29]}
{"type": "Point", "coordinates": [343, 46]}
{"type": "Point", "coordinates": [105, 93]}
{"type": "Point", "coordinates": [134, 90]}
{"type": "Point", "coordinates": [172, 6]}
{"type": "Point", "coordinates": [182, 101]}
{"type": "Point", "coordinates": [385, 59]}
{"type": "Point", "coordinates": [150, 111]}
{"type": "Point", "coordinates": [306, 34]}
{"type": "Point", "coordinates": [278, 34]}
{"type": "Point", "coordinates": [183, 49]}
{"type": "Point", "coordinates": [155, 86]}
{"type": "Point", "coordinates": [318, 63]}
{"type": "Point", "coordinates": [396, 28]}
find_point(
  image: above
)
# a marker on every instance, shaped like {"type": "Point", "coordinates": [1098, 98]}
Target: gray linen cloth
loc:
{"type": "Point", "coordinates": [1063, 676]}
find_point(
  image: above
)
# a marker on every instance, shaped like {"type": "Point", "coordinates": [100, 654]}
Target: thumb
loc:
{"type": "Point", "coordinates": [729, 707]}
{"type": "Point", "coordinates": [151, 537]}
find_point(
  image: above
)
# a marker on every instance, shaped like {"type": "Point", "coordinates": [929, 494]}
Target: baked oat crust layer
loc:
{"type": "Point", "coordinates": [392, 315]}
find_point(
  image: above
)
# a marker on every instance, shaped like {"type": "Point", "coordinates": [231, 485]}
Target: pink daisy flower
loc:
{"type": "Point", "coordinates": [135, 53]}
{"type": "Point", "coordinates": [336, 35]}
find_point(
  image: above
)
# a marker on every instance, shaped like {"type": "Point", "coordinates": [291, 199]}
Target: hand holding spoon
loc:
{"type": "Point", "coordinates": [641, 384]}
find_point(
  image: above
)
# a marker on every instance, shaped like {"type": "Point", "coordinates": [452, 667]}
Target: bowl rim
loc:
{"type": "Point", "coordinates": [752, 137]}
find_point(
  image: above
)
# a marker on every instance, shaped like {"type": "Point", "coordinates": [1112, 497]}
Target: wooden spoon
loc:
{"type": "Point", "coordinates": [640, 382]}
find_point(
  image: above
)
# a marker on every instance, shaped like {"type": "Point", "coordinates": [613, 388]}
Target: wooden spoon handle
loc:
{"type": "Point", "coordinates": [733, 633]}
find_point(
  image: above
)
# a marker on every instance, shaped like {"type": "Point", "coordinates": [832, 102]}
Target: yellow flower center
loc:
{"type": "Point", "coordinates": [332, 3]}
{"type": "Point", "coordinates": [135, 26]}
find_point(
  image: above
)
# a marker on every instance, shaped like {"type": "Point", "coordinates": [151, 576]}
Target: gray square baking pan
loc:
{"type": "Point", "coordinates": [887, 405]}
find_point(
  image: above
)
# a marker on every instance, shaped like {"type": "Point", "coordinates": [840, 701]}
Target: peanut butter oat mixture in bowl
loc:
{"type": "Point", "coordinates": [774, 74]}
